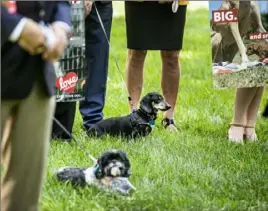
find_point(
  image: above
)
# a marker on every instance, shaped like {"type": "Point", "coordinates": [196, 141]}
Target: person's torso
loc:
{"type": "Point", "coordinates": [19, 69]}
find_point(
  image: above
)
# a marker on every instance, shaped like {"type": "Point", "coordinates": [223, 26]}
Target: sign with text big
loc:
{"type": "Point", "coordinates": [239, 41]}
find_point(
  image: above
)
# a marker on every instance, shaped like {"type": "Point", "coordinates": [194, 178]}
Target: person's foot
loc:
{"type": "Point", "coordinates": [250, 134]}
{"type": "Point", "coordinates": [169, 125]}
{"type": "Point", "coordinates": [236, 133]}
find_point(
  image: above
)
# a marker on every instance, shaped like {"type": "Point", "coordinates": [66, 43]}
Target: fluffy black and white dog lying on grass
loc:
{"type": "Point", "coordinates": [135, 124]}
{"type": "Point", "coordinates": [111, 171]}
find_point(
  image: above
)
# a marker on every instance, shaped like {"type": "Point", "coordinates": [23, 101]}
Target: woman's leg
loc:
{"type": "Point", "coordinates": [134, 74]}
{"type": "Point", "coordinates": [170, 80]}
{"type": "Point", "coordinates": [246, 106]}
{"type": "Point", "coordinates": [252, 115]}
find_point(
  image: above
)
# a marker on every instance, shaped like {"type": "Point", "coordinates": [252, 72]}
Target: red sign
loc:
{"type": "Point", "coordinates": [67, 83]}
{"type": "Point", "coordinates": [11, 6]}
{"type": "Point", "coordinates": [224, 16]}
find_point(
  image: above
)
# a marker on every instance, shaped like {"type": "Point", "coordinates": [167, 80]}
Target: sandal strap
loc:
{"type": "Point", "coordinates": [166, 122]}
{"type": "Point", "coordinates": [237, 125]}
{"type": "Point", "coordinates": [247, 126]}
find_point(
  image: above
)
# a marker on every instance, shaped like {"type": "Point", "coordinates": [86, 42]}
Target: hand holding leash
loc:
{"type": "Point", "coordinates": [88, 7]}
{"type": "Point", "coordinates": [32, 38]}
{"type": "Point", "coordinates": [56, 42]}
{"type": "Point", "coordinates": [164, 1]}
{"type": "Point", "coordinates": [175, 6]}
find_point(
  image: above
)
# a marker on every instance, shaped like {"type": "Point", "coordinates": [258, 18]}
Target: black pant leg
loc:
{"type": "Point", "coordinates": [65, 114]}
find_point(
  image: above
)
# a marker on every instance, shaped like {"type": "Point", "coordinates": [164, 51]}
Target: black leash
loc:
{"type": "Point", "coordinates": [118, 68]}
{"type": "Point", "coordinates": [75, 140]}
{"type": "Point", "coordinates": [114, 57]}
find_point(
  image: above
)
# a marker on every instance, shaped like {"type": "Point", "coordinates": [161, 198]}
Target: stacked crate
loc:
{"type": "Point", "coordinates": [74, 58]}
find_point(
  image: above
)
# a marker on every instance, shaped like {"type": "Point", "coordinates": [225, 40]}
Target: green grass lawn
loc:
{"type": "Point", "coordinates": [196, 169]}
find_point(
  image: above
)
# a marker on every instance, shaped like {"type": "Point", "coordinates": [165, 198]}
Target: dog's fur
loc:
{"type": "Point", "coordinates": [135, 124]}
{"type": "Point", "coordinates": [260, 49]}
{"type": "Point", "coordinates": [113, 163]}
{"type": "Point", "coordinates": [227, 37]}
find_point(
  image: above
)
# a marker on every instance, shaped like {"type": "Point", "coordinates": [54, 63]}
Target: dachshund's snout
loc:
{"type": "Point", "coordinates": [168, 106]}
{"type": "Point", "coordinates": [162, 106]}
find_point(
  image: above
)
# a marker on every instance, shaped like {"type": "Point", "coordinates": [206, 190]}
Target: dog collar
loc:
{"type": "Point", "coordinates": [133, 119]}
{"type": "Point", "coordinates": [134, 124]}
{"type": "Point", "coordinates": [147, 117]}
{"type": "Point", "coordinates": [97, 171]}
{"type": "Point", "coordinates": [96, 168]}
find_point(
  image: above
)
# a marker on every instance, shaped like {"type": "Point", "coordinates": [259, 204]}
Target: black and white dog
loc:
{"type": "Point", "coordinates": [113, 163]}
{"type": "Point", "coordinates": [135, 124]}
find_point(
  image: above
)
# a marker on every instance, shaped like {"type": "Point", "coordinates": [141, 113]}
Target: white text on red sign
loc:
{"type": "Point", "coordinates": [224, 16]}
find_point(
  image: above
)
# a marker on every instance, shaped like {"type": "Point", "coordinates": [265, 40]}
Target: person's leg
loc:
{"type": "Point", "coordinates": [7, 109]}
{"type": "Point", "coordinates": [65, 114]}
{"type": "Point", "coordinates": [252, 115]}
{"type": "Point", "coordinates": [134, 74]}
{"type": "Point", "coordinates": [26, 154]}
{"type": "Point", "coordinates": [243, 99]}
{"type": "Point", "coordinates": [97, 53]}
{"type": "Point", "coordinates": [170, 83]}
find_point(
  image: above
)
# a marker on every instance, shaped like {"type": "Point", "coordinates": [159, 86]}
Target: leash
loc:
{"type": "Point", "coordinates": [118, 68]}
{"type": "Point", "coordinates": [114, 57]}
{"type": "Point", "coordinates": [75, 140]}
{"type": "Point", "coordinates": [96, 168]}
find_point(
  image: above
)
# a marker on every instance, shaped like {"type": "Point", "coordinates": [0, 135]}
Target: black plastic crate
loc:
{"type": "Point", "coordinates": [71, 69]}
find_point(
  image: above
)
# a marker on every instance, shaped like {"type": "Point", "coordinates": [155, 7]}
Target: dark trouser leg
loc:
{"type": "Point", "coordinates": [97, 51]}
{"type": "Point", "coordinates": [65, 114]}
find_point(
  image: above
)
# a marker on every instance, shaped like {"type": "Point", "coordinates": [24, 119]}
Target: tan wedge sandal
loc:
{"type": "Point", "coordinates": [236, 133]}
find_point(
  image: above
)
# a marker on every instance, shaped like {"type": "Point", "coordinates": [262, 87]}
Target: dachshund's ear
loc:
{"type": "Point", "coordinates": [146, 105]}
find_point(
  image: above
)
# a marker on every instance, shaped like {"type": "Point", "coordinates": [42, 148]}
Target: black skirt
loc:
{"type": "Point", "coordinates": [153, 26]}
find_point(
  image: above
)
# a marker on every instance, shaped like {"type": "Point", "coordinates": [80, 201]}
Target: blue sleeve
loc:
{"type": "Point", "coordinates": [8, 23]}
{"type": "Point", "coordinates": [63, 12]}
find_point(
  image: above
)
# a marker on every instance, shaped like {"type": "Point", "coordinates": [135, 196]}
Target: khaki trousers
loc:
{"type": "Point", "coordinates": [25, 132]}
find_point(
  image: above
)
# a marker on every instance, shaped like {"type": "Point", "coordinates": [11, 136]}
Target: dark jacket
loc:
{"type": "Point", "coordinates": [20, 70]}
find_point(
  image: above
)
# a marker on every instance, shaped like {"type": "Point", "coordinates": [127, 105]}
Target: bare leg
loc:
{"type": "Point", "coordinates": [243, 99]}
{"type": "Point", "coordinates": [134, 74]}
{"type": "Point", "coordinates": [170, 79]}
{"type": "Point", "coordinates": [252, 115]}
